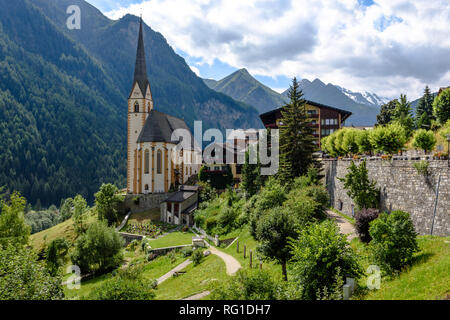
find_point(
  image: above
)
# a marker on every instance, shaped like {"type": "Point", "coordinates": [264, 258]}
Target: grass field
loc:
{"type": "Point", "coordinates": [196, 279]}
{"type": "Point", "coordinates": [427, 279]}
{"type": "Point", "coordinates": [151, 270]}
{"type": "Point", "coordinates": [176, 238]}
{"type": "Point", "coordinates": [61, 230]}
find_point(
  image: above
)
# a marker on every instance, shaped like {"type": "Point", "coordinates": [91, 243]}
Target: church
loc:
{"type": "Point", "coordinates": [154, 163]}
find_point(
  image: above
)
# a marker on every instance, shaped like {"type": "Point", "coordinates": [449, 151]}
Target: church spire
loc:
{"type": "Point", "coordinates": [140, 69]}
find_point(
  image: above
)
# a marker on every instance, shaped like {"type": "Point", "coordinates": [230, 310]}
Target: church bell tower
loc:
{"type": "Point", "coordinates": [140, 103]}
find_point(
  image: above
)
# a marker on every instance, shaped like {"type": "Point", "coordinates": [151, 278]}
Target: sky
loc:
{"type": "Point", "coordinates": [383, 46]}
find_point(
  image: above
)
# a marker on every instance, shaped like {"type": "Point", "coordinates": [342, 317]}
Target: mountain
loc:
{"type": "Point", "coordinates": [240, 85]}
{"type": "Point", "coordinates": [63, 97]}
{"type": "Point", "coordinates": [364, 112]}
{"type": "Point", "coordinates": [364, 98]}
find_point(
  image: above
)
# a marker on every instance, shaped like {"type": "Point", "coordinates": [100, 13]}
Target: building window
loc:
{"type": "Point", "coordinates": [159, 162]}
{"type": "Point", "coordinates": [147, 161]}
{"type": "Point", "coordinates": [136, 107]}
{"type": "Point", "coordinates": [146, 187]}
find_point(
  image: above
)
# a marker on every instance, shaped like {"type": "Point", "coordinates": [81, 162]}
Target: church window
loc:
{"type": "Point", "coordinates": [136, 107]}
{"type": "Point", "coordinates": [147, 161]}
{"type": "Point", "coordinates": [159, 162]}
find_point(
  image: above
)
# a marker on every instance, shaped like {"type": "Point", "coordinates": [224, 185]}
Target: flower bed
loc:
{"type": "Point", "coordinates": [148, 229]}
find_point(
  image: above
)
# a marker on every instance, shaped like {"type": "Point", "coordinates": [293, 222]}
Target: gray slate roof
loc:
{"type": "Point", "coordinates": [159, 127]}
{"type": "Point", "coordinates": [180, 196]}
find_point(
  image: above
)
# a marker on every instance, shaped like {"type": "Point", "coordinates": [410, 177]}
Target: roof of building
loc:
{"type": "Point", "coordinates": [159, 127]}
{"type": "Point", "coordinates": [140, 68]}
{"type": "Point", "coordinates": [190, 209]}
{"type": "Point", "coordinates": [189, 188]}
{"type": "Point", "coordinates": [345, 113]}
{"type": "Point", "coordinates": [180, 196]}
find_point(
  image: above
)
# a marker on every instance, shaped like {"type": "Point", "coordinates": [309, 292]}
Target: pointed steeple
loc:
{"type": "Point", "coordinates": [140, 69]}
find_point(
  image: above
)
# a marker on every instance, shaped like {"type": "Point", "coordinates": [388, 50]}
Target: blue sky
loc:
{"type": "Point", "coordinates": [383, 46]}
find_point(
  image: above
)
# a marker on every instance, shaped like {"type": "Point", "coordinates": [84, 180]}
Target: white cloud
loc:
{"type": "Point", "coordinates": [390, 47]}
{"type": "Point", "coordinates": [195, 70]}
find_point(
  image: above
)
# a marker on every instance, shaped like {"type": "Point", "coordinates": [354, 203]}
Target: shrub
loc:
{"type": "Point", "coordinates": [320, 254]}
{"type": "Point", "coordinates": [421, 167]}
{"type": "Point", "coordinates": [389, 139]}
{"type": "Point", "coordinates": [362, 191]}
{"type": "Point", "coordinates": [187, 252]}
{"type": "Point", "coordinates": [128, 284]}
{"type": "Point", "coordinates": [197, 257]}
{"type": "Point", "coordinates": [210, 223]}
{"type": "Point", "coordinates": [22, 277]}
{"type": "Point", "coordinates": [363, 217]}
{"type": "Point", "coordinates": [56, 254]}
{"type": "Point", "coordinates": [226, 218]}
{"type": "Point", "coordinates": [363, 141]}
{"type": "Point", "coordinates": [303, 208]}
{"type": "Point", "coordinates": [99, 249]}
{"type": "Point", "coordinates": [132, 245]}
{"type": "Point", "coordinates": [424, 139]}
{"type": "Point", "coordinates": [394, 240]}
{"type": "Point", "coordinates": [246, 285]}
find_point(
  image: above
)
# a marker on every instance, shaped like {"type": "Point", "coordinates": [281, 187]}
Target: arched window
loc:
{"type": "Point", "coordinates": [159, 162]}
{"type": "Point", "coordinates": [136, 107]}
{"type": "Point", "coordinates": [146, 187]}
{"type": "Point", "coordinates": [147, 161]}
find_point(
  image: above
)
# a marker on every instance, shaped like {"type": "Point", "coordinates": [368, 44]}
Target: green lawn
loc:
{"type": "Point", "coordinates": [176, 238]}
{"type": "Point", "coordinates": [151, 270]}
{"type": "Point", "coordinates": [196, 279]}
{"type": "Point", "coordinates": [246, 239]}
{"type": "Point", "coordinates": [427, 279]}
{"type": "Point", "coordinates": [62, 230]}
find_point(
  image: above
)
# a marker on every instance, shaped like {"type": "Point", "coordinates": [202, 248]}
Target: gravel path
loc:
{"type": "Point", "coordinates": [344, 225]}
{"type": "Point", "coordinates": [169, 274]}
{"type": "Point", "coordinates": [231, 263]}
{"type": "Point", "coordinates": [198, 296]}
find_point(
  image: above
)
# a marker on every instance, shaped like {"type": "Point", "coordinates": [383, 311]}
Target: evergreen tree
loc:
{"type": "Point", "coordinates": [441, 106]}
{"type": "Point", "coordinates": [385, 115]}
{"type": "Point", "coordinates": [424, 110]}
{"type": "Point", "coordinates": [251, 176]}
{"type": "Point", "coordinates": [403, 114]}
{"type": "Point", "coordinates": [296, 140]}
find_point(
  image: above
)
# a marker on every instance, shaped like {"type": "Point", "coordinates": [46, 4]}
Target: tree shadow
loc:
{"type": "Point", "coordinates": [421, 258]}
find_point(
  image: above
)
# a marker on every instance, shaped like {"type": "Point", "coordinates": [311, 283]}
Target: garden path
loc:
{"type": "Point", "coordinates": [231, 263]}
{"type": "Point", "coordinates": [344, 225]}
{"type": "Point", "coordinates": [198, 296]}
{"type": "Point", "coordinates": [169, 274]}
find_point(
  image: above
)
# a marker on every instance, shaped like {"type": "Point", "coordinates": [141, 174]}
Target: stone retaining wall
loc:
{"type": "Point", "coordinates": [128, 237]}
{"type": "Point", "coordinates": [402, 188]}
{"type": "Point", "coordinates": [146, 201]}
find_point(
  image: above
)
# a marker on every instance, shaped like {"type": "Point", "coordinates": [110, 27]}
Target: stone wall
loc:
{"type": "Point", "coordinates": [129, 237]}
{"type": "Point", "coordinates": [401, 188]}
{"type": "Point", "coordinates": [146, 201]}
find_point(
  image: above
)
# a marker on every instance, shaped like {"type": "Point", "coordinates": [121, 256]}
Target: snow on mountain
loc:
{"type": "Point", "coordinates": [363, 98]}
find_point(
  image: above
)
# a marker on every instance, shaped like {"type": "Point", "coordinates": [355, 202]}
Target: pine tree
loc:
{"type": "Point", "coordinates": [385, 115]}
{"type": "Point", "coordinates": [296, 139]}
{"type": "Point", "coordinates": [424, 110]}
{"type": "Point", "coordinates": [403, 114]}
{"type": "Point", "coordinates": [251, 176]}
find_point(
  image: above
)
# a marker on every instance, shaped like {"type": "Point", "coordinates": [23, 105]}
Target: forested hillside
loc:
{"type": "Point", "coordinates": [63, 97]}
